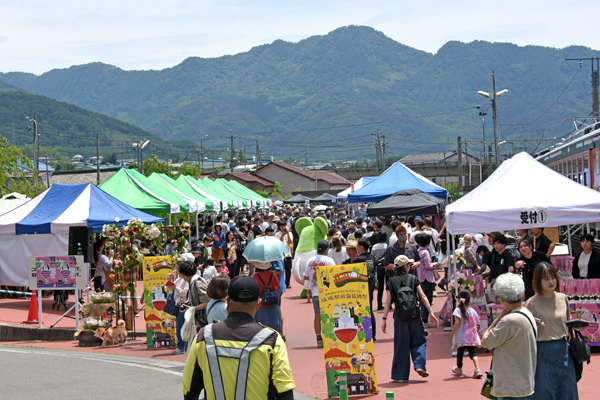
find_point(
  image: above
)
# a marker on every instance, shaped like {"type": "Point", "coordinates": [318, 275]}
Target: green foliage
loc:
{"type": "Point", "coordinates": [452, 188]}
{"type": "Point", "coordinates": [133, 165]}
{"type": "Point", "coordinates": [278, 189]}
{"type": "Point", "coordinates": [327, 326]}
{"type": "Point", "coordinates": [188, 168]}
{"type": "Point", "coordinates": [153, 164]}
{"type": "Point", "coordinates": [110, 158]}
{"type": "Point", "coordinates": [11, 175]}
{"type": "Point", "coordinates": [348, 77]}
{"type": "Point", "coordinates": [263, 193]}
{"type": "Point", "coordinates": [297, 189]}
{"type": "Point", "coordinates": [218, 169]}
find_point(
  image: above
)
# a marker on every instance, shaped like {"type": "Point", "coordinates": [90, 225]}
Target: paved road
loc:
{"type": "Point", "coordinates": [29, 373]}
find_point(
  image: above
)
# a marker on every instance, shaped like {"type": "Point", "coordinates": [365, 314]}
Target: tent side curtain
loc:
{"type": "Point", "coordinates": [395, 178]}
{"type": "Point", "coordinates": [506, 201]}
{"type": "Point", "coordinates": [407, 202]}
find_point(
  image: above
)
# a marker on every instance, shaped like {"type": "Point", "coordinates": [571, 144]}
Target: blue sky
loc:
{"type": "Point", "coordinates": [40, 35]}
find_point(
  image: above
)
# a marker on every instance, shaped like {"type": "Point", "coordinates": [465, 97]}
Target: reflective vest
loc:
{"type": "Point", "coordinates": [213, 352]}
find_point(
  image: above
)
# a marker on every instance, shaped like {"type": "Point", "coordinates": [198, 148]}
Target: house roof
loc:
{"type": "Point", "coordinates": [248, 177]}
{"type": "Point", "coordinates": [327, 176]}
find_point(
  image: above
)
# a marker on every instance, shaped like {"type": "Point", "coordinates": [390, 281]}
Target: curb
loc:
{"type": "Point", "coordinates": [18, 333]}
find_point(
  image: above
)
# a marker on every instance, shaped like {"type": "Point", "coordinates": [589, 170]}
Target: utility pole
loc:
{"type": "Point", "coordinates": [47, 173]}
{"type": "Point", "coordinates": [383, 154]}
{"type": "Point", "coordinates": [495, 107]}
{"type": "Point", "coordinates": [377, 146]}
{"type": "Point", "coordinates": [36, 164]}
{"type": "Point", "coordinates": [595, 83]}
{"type": "Point", "coordinates": [198, 156]}
{"type": "Point", "coordinates": [232, 150]}
{"type": "Point", "coordinates": [97, 159]}
{"type": "Point", "coordinates": [483, 120]}
{"type": "Point", "coordinates": [305, 156]}
{"type": "Point", "coordinates": [257, 153]}
{"type": "Point", "coordinates": [460, 170]}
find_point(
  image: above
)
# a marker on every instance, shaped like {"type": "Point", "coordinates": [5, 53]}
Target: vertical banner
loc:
{"type": "Point", "coordinates": [160, 326]}
{"type": "Point", "coordinates": [347, 328]}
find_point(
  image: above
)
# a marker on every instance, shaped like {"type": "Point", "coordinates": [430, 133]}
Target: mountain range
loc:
{"type": "Point", "coordinates": [330, 92]}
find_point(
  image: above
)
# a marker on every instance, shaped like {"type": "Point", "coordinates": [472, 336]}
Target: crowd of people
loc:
{"type": "Point", "coordinates": [528, 337]}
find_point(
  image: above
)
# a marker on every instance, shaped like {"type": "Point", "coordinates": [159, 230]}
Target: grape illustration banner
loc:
{"type": "Point", "coordinates": [347, 328]}
{"type": "Point", "coordinates": [160, 326]}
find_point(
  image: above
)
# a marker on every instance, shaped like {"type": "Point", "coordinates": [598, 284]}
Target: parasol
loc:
{"type": "Point", "coordinates": [266, 249]}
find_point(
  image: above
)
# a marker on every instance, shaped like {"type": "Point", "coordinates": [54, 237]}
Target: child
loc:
{"type": "Point", "coordinates": [223, 270]}
{"type": "Point", "coordinates": [464, 333]}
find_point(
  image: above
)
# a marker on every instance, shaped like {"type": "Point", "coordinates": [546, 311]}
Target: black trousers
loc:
{"type": "Point", "coordinates": [288, 270]}
{"type": "Point", "coordinates": [460, 352]}
{"type": "Point", "coordinates": [381, 282]}
{"type": "Point", "coordinates": [373, 321]}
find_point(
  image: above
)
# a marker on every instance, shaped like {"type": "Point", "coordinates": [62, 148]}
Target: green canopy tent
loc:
{"type": "Point", "coordinates": [187, 205]}
{"type": "Point", "coordinates": [218, 202]}
{"type": "Point", "coordinates": [238, 202]}
{"type": "Point", "coordinates": [124, 187]}
{"type": "Point", "coordinates": [206, 184]}
{"type": "Point", "coordinates": [243, 201]}
{"type": "Point", "coordinates": [254, 199]}
{"type": "Point", "coordinates": [263, 201]}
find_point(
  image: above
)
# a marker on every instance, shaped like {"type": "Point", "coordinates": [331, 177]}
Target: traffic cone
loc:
{"type": "Point", "coordinates": [32, 318]}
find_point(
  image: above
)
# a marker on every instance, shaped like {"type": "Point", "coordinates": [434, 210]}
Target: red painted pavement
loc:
{"type": "Point", "coordinates": [307, 360]}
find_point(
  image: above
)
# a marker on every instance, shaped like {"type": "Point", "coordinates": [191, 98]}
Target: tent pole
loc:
{"type": "Point", "coordinates": [453, 274]}
{"type": "Point", "coordinates": [190, 234]}
{"type": "Point", "coordinates": [569, 232]}
{"type": "Point", "coordinates": [39, 299]}
{"type": "Point", "coordinates": [169, 219]}
{"type": "Point", "coordinates": [197, 234]}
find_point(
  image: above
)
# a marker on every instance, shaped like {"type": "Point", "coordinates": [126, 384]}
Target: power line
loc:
{"type": "Point", "coordinates": [554, 102]}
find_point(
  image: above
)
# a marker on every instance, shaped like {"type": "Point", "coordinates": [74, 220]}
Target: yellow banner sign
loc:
{"type": "Point", "coordinates": [160, 326]}
{"type": "Point", "coordinates": [347, 328]}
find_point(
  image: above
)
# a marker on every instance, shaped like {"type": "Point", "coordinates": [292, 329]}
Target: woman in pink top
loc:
{"type": "Point", "coordinates": [425, 273]}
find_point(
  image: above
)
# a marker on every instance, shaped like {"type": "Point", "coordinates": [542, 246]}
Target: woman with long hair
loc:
{"type": "Point", "coordinates": [232, 245]}
{"type": "Point", "coordinates": [337, 251]}
{"type": "Point", "coordinates": [555, 376]}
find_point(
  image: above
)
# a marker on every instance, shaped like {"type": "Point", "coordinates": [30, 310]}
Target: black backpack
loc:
{"type": "Point", "coordinates": [405, 299]}
{"type": "Point", "coordinates": [269, 297]}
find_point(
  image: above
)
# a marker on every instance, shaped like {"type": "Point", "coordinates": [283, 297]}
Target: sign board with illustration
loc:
{"type": "Point", "coordinates": [347, 328]}
{"type": "Point", "coordinates": [589, 312]}
{"type": "Point", "coordinates": [56, 272]}
{"type": "Point", "coordinates": [160, 326]}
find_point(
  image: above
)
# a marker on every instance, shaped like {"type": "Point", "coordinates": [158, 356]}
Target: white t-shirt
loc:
{"type": "Point", "coordinates": [338, 256]}
{"type": "Point", "coordinates": [210, 273]}
{"type": "Point", "coordinates": [584, 260]}
{"type": "Point", "coordinates": [310, 272]}
{"type": "Point", "coordinates": [393, 239]}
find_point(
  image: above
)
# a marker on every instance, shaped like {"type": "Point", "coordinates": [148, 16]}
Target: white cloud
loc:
{"type": "Point", "coordinates": [153, 34]}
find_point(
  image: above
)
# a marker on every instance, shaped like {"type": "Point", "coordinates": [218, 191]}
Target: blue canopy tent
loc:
{"type": "Point", "coordinates": [41, 226]}
{"type": "Point", "coordinates": [395, 178]}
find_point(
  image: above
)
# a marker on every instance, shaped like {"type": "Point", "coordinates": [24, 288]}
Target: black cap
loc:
{"type": "Point", "coordinates": [322, 246]}
{"type": "Point", "coordinates": [243, 289]}
{"type": "Point", "coordinates": [196, 249]}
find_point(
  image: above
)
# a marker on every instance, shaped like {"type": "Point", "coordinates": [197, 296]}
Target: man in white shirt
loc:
{"type": "Point", "coordinates": [286, 238]}
{"type": "Point", "coordinates": [310, 274]}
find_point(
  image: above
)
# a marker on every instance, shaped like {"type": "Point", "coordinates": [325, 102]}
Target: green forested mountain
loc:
{"type": "Point", "coordinates": [66, 129]}
{"type": "Point", "coordinates": [354, 75]}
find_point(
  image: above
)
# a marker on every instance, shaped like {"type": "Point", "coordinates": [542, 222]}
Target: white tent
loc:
{"type": "Point", "coordinates": [355, 186]}
{"type": "Point", "coordinates": [523, 194]}
{"type": "Point", "coordinates": [11, 201]}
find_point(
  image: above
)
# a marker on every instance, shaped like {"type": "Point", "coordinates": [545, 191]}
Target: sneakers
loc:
{"type": "Point", "coordinates": [458, 371]}
{"type": "Point", "coordinates": [422, 372]}
{"type": "Point", "coordinates": [178, 352]}
{"type": "Point", "coordinates": [399, 381]}
{"type": "Point", "coordinates": [428, 325]}
{"type": "Point", "coordinates": [477, 374]}
{"type": "Point", "coordinates": [319, 341]}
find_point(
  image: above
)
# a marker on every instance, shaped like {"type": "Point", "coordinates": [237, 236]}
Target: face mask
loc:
{"type": "Point", "coordinates": [403, 239]}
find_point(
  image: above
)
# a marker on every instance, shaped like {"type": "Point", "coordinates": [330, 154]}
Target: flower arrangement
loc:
{"type": "Point", "coordinates": [93, 323]}
{"type": "Point", "coordinates": [460, 257]}
{"type": "Point", "coordinates": [117, 264]}
{"type": "Point", "coordinates": [102, 297]}
{"type": "Point", "coordinates": [122, 287]}
{"type": "Point", "coordinates": [111, 231]}
{"type": "Point", "coordinates": [464, 283]}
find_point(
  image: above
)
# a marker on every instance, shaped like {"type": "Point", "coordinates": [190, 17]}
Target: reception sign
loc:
{"type": "Point", "coordinates": [160, 326]}
{"type": "Point", "coordinates": [347, 328]}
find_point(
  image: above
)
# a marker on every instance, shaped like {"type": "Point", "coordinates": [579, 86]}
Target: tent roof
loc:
{"type": "Point", "coordinates": [11, 201]}
{"type": "Point", "coordinates": [136, 190]}
{"type": "Point", "coordinates": [395, 178]}
{"type": "Point", "coordinates": [238, 200]}
{"type": "Point", "coordinates": [355, 186]}
{"type": "Point", "coordinates": [166, 182]}
{"type": "Point", "coordinates": [251, 198]}
{"type": "Point", "coordinates": [407, 202]}
{"type": "Point", "coordinates": [299, 198]}
{"type": "Point", "coordinates": [325, 197]}
{"type": "Point", "coordinates": [192, 184]}
{"type": "Point", "coordinates": [226, 199]}
{"type": "Point", "coordinates": [263, 201]}
{"type": "Point", "coordinates": [61, 206]}
{"type": "Point", "coordinates": [508, 194]}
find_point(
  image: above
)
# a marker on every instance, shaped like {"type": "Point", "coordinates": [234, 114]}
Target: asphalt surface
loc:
{"type": "Point", "coordinates": [39, 373]}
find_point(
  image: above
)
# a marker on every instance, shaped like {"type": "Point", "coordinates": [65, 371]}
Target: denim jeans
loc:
{"type": "Point", "coordinates": [409, 342]}
{"type": "Point", "coordinates": [178, 325]}
{"type": "Point", "coordinates": [520, 398]}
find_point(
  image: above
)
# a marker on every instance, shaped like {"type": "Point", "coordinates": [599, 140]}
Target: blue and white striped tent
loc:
{"type": "Point", "coordinates": [40, 227]}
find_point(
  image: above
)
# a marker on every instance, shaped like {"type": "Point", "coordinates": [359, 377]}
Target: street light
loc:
{"type": "Point", "coordinates": [493, 97]}
{"type": "Point", "coordinates": [482, 114]}
{"type": "Point", "coordinates": [140, 146]}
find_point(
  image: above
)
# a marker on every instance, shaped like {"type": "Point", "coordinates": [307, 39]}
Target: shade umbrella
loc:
{"type": "Point", "coordinates": [320, 208]}
{"type": "Point", "coordinates": [265, 249]}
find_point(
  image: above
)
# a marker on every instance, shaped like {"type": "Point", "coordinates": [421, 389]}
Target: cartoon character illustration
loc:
{"type": "Point", "coordinates": [345, 320]}
{"type": "Point", "coordinates": [324, 279]}
{"type": "Point", "coordinates": [353, 314]}
{"type": "Point", "coordinates": [337, 314]}
{"type": "Point", "coordinates": [310, 234]}
{"type": "Point", "coordinates": [355, 366]}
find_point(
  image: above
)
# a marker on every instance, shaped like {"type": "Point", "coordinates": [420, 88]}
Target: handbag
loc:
{"type": "Point", "coordinates": [488, 384]}
{"type": "Point", "coordinates": [578, 348]}
{"type": "Point", "coordinates": [170, 307]}
{"type": "Point", "coordinates": [436, 275]}
{"type": "Point", "coordinates": [110, 276]}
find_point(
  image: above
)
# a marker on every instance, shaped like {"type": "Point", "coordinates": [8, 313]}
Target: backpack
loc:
{"type": "Point", "coordinates": [268, 296]}
{"type": "Point", "coordinates": [405, 300]}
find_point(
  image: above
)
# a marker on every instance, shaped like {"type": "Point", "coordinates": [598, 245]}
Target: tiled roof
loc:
{"type": "Point", "coordinates": [327, 176]}
{"type": "Point", "coordinates": [248, 177]}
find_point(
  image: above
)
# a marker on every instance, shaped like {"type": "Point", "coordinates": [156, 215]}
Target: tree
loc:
{"type": "Point", "coordinates": [111, 158]}
{"type": "Point", "coordinates": [13, 177]}
{"type": "Point", "coordinates": [452, 188]}
{"type": "Point", "coordinates": [188, 168]}
{"type": "Point", "coordinates": [278, 189]}
{"type": "Point", "coordinates": [153, 164]}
